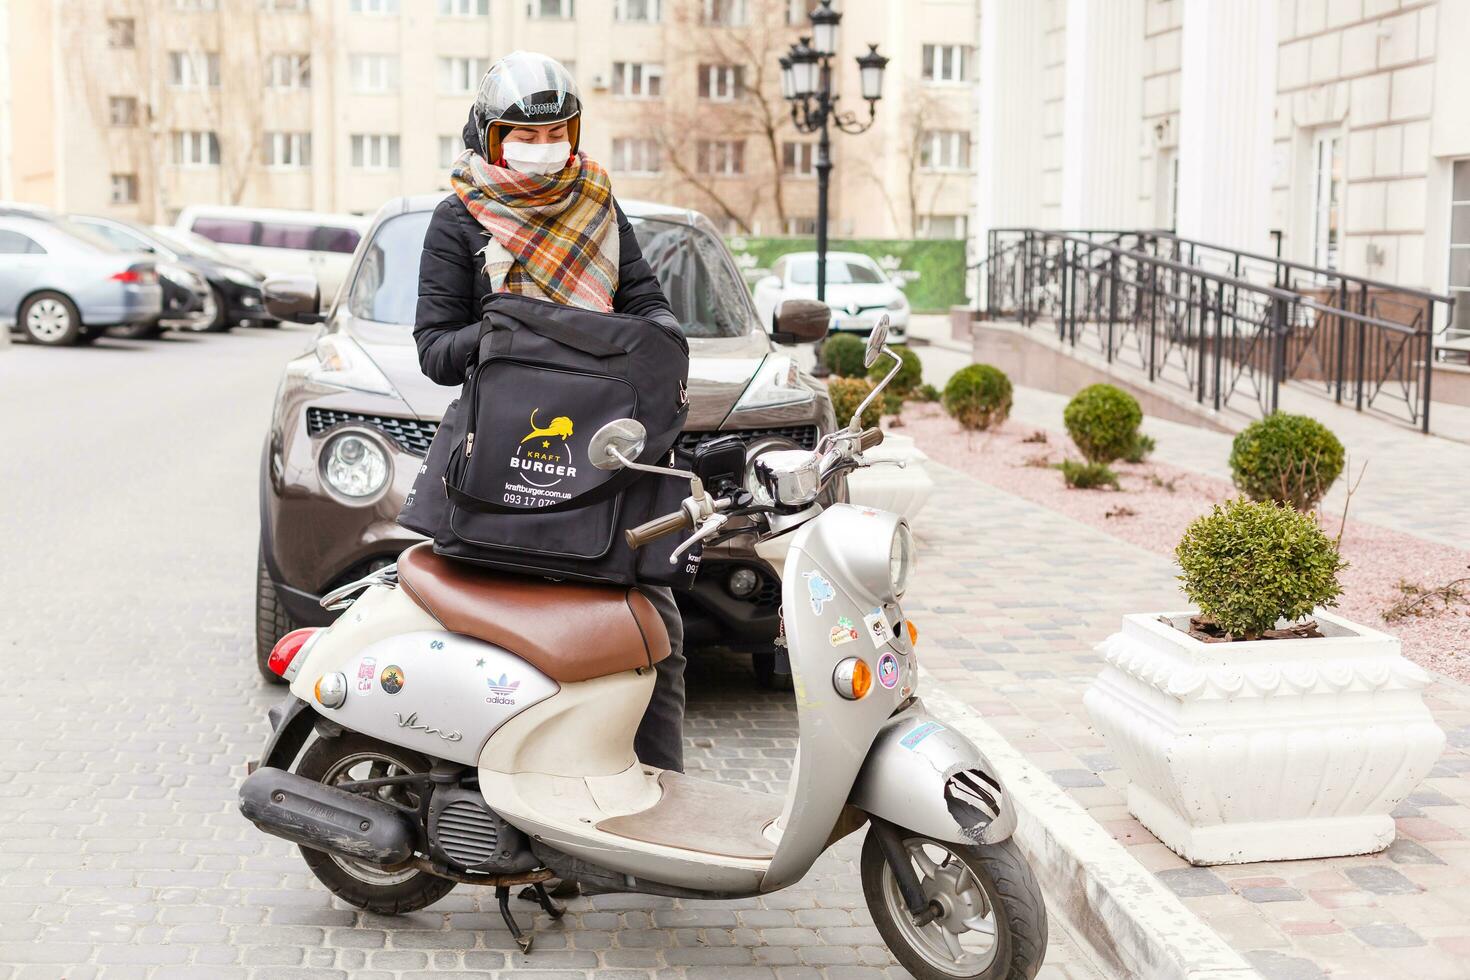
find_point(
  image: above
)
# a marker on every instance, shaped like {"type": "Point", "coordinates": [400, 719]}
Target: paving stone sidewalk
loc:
{"type": "Point", "coordinates": [1016, 596]}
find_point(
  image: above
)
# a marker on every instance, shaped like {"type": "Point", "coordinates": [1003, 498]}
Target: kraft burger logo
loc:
{"type": "Point", "coordinates": [542, 460]}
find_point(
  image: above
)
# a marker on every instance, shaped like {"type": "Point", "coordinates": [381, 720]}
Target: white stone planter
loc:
{"type": "Point", "coordinates": [902, 490]}
{"type": "Point", "coordinates": [1267, 750]}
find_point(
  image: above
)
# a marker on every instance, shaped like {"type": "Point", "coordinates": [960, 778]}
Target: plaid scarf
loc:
{"type": "Point", "coordinates": [560, 229]}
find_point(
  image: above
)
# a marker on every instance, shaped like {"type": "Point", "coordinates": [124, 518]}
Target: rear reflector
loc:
{"type": "Point", "coordinates": [286, 649]}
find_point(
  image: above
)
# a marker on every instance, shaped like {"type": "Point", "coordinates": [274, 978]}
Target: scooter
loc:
{"type": "Point", "coordinates": [456, 725]}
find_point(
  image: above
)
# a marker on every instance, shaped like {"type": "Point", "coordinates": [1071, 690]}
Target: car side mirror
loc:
{"type": "Point", "coordinates": [801, 321]}
{"type": "Point", "coordinates": [295, 299]}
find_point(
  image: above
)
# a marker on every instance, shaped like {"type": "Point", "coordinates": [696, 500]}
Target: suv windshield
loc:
{"type": "Point", "coordinates": [697, 275]}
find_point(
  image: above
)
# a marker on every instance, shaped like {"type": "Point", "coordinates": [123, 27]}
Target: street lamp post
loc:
{"type": "Point", "coordinates": [806, 82]}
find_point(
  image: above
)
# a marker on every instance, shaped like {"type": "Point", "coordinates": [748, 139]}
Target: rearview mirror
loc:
{"type": "Point", "coordinates": [876, 340]}
{"type": "Point", "coordinates": [623, 437]}
{"type": "Point", "coordinates": [801, 321]}
{"type": "Point", "coordinates": [295, 299]}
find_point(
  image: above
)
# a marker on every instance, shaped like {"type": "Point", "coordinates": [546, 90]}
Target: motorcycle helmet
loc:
{"type": "Point", "coordinates": [526, 89]}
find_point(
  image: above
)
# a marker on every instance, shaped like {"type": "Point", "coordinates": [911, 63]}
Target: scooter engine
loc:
{"type": "Point", "coordinates": [467, 835]}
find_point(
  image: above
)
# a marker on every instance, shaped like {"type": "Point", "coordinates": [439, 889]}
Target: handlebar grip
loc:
{"type": "Point", "coordinates": [658, 527]}
{"type": "Point", "coordinates": [870, 438]}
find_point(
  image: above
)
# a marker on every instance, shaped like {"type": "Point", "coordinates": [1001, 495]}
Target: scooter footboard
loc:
{"type": "Point", "coordinates": [925, 776]}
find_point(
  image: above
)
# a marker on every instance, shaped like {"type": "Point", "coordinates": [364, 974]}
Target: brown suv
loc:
{"type": "Point", "coordinates": [354, 417]}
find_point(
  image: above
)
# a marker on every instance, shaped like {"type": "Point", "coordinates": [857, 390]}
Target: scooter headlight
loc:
{"type": "Point", "coordinates": [900, 559]}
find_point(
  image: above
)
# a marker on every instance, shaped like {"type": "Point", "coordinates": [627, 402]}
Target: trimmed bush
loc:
{"type": "Point", "coordinates": [978, 396]}
{"type": "Point", "coordinates": [1291, 459]}
{"type": "Point", "coordinates": [1143, 446]}
{"type": "Point", "coordinates": [909, 375]}
{"type": "Point", "coordinates": [1248, 564]}
{"type": "Point", "coordinates": [847, 394]}
{"type": "Point", "coordinates": [926, 393]}
{"type": "Point", "coordinates": [843, 354]}
{"type": "Point", "coordinates": [1103, 422]}
{"type": "Point", "coordinates": [1087, 476]}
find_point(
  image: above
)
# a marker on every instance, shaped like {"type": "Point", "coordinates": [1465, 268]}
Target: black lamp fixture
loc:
{"type": "Point", "coordinates": [806, 82]}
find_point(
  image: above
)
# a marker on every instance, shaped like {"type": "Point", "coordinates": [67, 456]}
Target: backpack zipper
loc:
{"type": "Point", "coordinates": [469, 444]}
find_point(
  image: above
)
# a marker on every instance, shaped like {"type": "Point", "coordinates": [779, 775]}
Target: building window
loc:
{"type": "Point", "coordinates": [798, 12]}
{"type": "Point", "coordinates": [464, 8]}
{"type": "Point", "coordinates": [635, 80]}
{"type": "Point", "coordinates": [196, 148]}
{"type": "Point", "coordinates": [373, 6]}
{"type": "Point", "coordinates": [286, 5]}
{"type": "Point", "coordinates": [286, 72]}
{"type": "Point", "coordinates": [947, 62]}
{"type": "Point", "coordinates": [1326, 200]}
{"type": "Point", "coordinates": [375, 151]}
{"type": "Point", "coordinates": [287, 151]}
{"type": "Point", "coordinates": [122, 110]}
{"type": "Point", "coordinates": [641, 11]}
{"type": "Point", "coordinates": [450, 147]}
{"type": "Point", "coordinates": [373, 73]}
{"type": "Point", "coordinates": [124, 189]}
{"type": "Point", "coordinates": [551, 9]}
{"type": "Point", "coordinates": [120, 32]}
{"type": "Point", "coordinates": [636, 156]}
{"type": "Point", "coordinates": [1460, 247]}
{"type": "Point", "coordinates": [196, 4]}
{"type": "Point", "coordinates": [942, 225]}
{"type": "Point", "coordinates": [461, 76]}
{"type": "Point", "coordinates": [800, 227]}
{"type": "Point", "coordinates": [725, 13]}
{"type": "Point", "coordinates": [798, 159]}
{"type": "Point", "coordinates": [945, 149]}
{"type": "Point", "coordinates": [720, 157]}
{"type": "Point", "coordinates": [721, 83]}
{"type": "Point", "coordinates": [1166, 190]}
{"type": "Point", "coordinates": [193, 69]}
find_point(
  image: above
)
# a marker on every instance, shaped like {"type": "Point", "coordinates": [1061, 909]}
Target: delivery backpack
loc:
{"type": "Point", "coordinates": [507, 482]}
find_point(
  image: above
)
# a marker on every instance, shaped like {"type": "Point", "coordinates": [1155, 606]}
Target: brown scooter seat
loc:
{"type": "Point", "coordinates": [570, 631]}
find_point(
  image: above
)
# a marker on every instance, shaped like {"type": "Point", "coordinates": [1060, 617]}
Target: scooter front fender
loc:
{"type": "Point", "coordinates": [926, 777]}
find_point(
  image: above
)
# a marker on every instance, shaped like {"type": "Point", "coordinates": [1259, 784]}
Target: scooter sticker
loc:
{"type": "Point", "coordinates": [878, 629]}
{"type": "Point", "coordinates": [819, 589]}
{"type": "Point", "coordinates": [502, 690]}
{"type": "Point", "coordinates": [391, 679]}
{"type": "Point", "coordinates": [888, 671]}
{"type": "Point", "coordinates": [367, 672]}
{"type": "Point", "coordinates": [843, 632]}
{"type": "Point", "coordinates": [919, 733]}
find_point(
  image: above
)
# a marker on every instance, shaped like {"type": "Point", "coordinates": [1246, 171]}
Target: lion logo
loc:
{"type": "Point", "coordinates": [560, 426]}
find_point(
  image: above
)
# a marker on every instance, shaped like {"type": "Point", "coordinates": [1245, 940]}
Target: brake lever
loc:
{"type": "Point", "coordinates": [707, 530]}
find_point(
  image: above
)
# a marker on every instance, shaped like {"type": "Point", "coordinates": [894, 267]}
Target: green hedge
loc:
{"type": "Point", "coordinates": [935, 268]}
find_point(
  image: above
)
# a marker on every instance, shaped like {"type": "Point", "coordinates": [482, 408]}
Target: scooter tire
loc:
{"type": "Point", "coordinates": [407, 891]}
{"type": "Point", "coordinates": [1010, 888]}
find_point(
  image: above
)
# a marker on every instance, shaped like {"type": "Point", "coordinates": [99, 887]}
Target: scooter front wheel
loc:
{"type": "Point", "coordinates": [991, 921]}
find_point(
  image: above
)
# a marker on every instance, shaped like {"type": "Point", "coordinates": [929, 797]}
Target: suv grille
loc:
{"type": "Point", "coordinates": [805, 436]}
{"type": "Point", "coordinates": [412, 435]}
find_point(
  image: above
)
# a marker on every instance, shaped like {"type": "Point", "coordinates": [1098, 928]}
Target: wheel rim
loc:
{"type": "Point", "coordinates": [960, 941]}
{"type": "Point", "coordinates": [48, 319]}
{"type": "Point", "coordinates": [372, 765]}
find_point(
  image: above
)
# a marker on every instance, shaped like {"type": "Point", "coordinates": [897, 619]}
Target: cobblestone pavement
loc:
{"type": "Point", "coordinates": [131, 704]}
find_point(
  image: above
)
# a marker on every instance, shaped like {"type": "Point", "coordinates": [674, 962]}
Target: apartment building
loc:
{"type": "Point", "coordinates": [141, 107]}
{"type": "Point", "coordinates": [1335, 126]}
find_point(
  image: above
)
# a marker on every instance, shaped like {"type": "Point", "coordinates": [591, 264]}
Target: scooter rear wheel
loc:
{"type": "Point", "coordinates": [992, 921]}
{"type": "Point", "coordinates": [390, 891]}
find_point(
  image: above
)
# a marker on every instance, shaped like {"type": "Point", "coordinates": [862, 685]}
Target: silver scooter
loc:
{"type": "Point", "coordinates": [456, 725]}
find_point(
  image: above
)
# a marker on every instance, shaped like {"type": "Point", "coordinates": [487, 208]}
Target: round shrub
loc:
{"type": "Point", "coordinates": [926, 393]}
{"type": "Point", "coordinates": [843, 354]}
{"type": "Point", "coordinates": [908, 377]}
{"type": "Point", "coordinates": [978, 396]}
{"type": "Point", "coordinates": [1247, 564]}
{"type": "Point", "coordinates": [847, 394]}
{"type": "Point", "coordinates": [1103, 422]}
{"type": "Point", "coordinates": [1291, 459]}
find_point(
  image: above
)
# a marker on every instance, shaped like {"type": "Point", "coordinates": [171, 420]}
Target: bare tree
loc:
{"type": "Point", "coordinates": [922, 116]}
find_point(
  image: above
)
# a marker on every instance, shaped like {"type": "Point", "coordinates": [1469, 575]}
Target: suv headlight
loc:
{"type": "Point", "coordinates": [900, 559]}
{"type": "Point", "coordinates": [355, 464]}
{"type": "Point", "coordinates": [341, 363]}
{"type": "Point", "coordinates": [777, 382]}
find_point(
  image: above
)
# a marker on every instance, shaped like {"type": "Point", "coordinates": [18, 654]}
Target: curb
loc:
{"type": "Point", "coordinates": [1130, 923]}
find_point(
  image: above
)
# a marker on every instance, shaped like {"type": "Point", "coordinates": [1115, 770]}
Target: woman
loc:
{"type": "Point", "coordinates": [531, 215]}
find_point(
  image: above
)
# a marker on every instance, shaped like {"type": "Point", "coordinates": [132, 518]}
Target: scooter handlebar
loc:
{"type": "Point", "coordinates": [870, 438]}
{"type": "Point", "coordinates": [658, 527]}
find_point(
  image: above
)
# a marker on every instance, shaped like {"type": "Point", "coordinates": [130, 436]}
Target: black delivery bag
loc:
{"type": "Point", "coordinates": [507, 482]}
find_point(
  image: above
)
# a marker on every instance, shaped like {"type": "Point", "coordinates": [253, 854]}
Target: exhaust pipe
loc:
{"type": "Point", "coordinates": [326, 818]}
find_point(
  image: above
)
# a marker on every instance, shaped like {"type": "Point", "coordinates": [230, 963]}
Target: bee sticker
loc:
{"type": "Point", "coordinates": [819, 590]}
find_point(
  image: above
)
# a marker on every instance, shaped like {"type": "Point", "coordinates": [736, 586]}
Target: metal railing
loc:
{"type": "Point", "coordinates": [1226, 327]}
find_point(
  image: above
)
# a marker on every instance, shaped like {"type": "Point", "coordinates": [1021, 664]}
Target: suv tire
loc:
{"type": "Point", "coordinates": [271, 619]}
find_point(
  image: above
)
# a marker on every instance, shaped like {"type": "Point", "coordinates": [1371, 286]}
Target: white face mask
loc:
{"type": "Point", "coordinates": [536, 158]}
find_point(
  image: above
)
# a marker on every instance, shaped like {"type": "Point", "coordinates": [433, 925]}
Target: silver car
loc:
{"type": "Point", "coordinates": [59, 285]}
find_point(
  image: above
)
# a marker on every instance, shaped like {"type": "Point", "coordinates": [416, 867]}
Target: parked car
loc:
{"type": "Point", "coordinates": [858, 291]}
{"type": "Point", "coordinates": [232, 288]}
{"type": "Point", "coordinates": [354, 417]}
{"type": "Point", "coordinates": [282, 243]}
{"type": "Point", "coordinates": [59, 285]}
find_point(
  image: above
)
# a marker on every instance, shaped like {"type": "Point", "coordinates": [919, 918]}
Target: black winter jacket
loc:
{"type": "Point", "coordinates": [452, 285]}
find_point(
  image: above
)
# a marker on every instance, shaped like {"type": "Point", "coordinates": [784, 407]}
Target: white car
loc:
{"type": "Point", "coordinates": [858, 291]}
